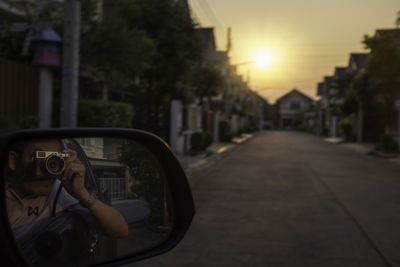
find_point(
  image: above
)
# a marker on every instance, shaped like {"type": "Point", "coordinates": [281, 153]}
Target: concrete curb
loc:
{"type": "Point", "coordinates": [334, 140]}
{"type": "Point", "coordinates": [215, 156]}
{"type": "Point", "coordinates": [365, 149]}
{"type": "Point", "coordinates": [383, 155]}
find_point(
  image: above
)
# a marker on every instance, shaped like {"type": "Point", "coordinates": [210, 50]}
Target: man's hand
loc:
{"type": "Point", "coordinates": [74, 177]}
{"type": "Point", "coordinates": [111, 222]}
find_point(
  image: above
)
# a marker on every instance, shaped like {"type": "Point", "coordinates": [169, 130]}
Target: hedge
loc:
{"type": "Point", "coordinates": [346, 129]}
{"type": "Point", "coordinates": [23, 122]}
{"type": "Point", "coordinates": [225, 131]}
{"type": "Point", "coordinates": [200, 141]}
{"type": "Point", "coordinates": [99, 113]}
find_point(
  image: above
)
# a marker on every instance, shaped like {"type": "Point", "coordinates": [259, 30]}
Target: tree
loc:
{"type": "Point", "coordinates": [144, 49]}
{"type": "Point", "coordinates": [382, 76]}
{"type": "Point", "coordinates": [175, 51]}
{"type": "Point", "coordinates": [208, 82]}
{"type": "Point", "coordinates": [114, 54]}
{"type": "Point", "coordinates": [149, 180]}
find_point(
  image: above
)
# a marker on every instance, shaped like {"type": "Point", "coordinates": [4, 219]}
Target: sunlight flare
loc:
{"type": "Point", "coordinates": [263, 58]}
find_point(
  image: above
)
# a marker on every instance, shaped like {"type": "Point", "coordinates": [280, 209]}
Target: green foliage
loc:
{"type": "Point", "coordinates": [346, 129]}
{"type": "Point", "coordinates": [252, 124]}
{"type": "Point", "coordinates": [398, 19]}
{"type": "Point", "coordinates": [149, 180]}
{"type": "Point", "coordinates": [200, 141]}
{"type": "Point", "coordinates": [97, 113]}
{"type": "Point", "coordinates": [387, 144]}
{"type": "Point", "coordinates": [28, 122]}
{"type": "Point", "coordinates": [10, 43]}
{"type": "Point", "coordinates": [303, 121]}
{"type": "Point", "coordinates": [196, 142]}
{"type": "Point", "coordinates": [377, 87]}
{"type": "Point", "coordinates": [342, 84]}
{"type": "Point", "coordinates": [298, 120]}
{"type": "Point", "coordinates": [20, 123]}
{"type": "Point", "coordinates": [147, 48]}
{"type": "Point", "coordinates": [381, 78]}
{"type": "Point", "coordinates": [208, 82]}
{"type": "Point", "coordinates": [350, 102]}
{"type": "Point", "coordinates": [207, 139]}
{"type": "Point", "coordinates": [225, 131]}
{"type": "Point", "coordinates": [114, 53]}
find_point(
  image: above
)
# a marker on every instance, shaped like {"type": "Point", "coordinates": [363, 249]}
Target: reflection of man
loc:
{"type": "Point", "coordinates": [31, 199]}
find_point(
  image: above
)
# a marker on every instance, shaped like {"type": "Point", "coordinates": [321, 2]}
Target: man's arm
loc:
{"type": "Point", "coordinates": [111, 222]}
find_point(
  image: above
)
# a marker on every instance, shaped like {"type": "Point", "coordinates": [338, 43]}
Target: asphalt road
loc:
{"type": "Point", "coordinates": [291, 199]}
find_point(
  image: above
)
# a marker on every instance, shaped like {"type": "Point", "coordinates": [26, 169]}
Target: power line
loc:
{"type": "Point", "coordinates": [196, 17]}
{"type": "Point", "coordinates": [210, 13]}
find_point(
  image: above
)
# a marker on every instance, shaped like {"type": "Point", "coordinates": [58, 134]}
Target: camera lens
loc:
{"type": "Point", "coordinates": [55, 164]}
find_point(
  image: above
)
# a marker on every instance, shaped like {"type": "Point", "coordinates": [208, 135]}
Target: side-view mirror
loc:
{"type": "Point", "coordinates": [90, 197]}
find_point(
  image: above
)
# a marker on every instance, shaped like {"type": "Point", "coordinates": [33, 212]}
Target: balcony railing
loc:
{"type": "Point", "coordinates": [116, 187]}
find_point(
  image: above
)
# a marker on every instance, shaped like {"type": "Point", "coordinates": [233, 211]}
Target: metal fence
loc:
{"type": "Point", "coordinates": [116, 187]}
{"type": "Point", "coordinates": [19, 89]}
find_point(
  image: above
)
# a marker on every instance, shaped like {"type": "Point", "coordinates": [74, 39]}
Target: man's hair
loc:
{"type": "Point", "coordinates": [19, 147]}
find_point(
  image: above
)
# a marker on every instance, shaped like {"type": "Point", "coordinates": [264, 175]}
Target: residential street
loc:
{"type": "Point", "coordinates": [291, 199]}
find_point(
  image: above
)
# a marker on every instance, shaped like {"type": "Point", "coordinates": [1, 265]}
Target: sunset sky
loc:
{"type": "Point", "coordinates": [300, 41]}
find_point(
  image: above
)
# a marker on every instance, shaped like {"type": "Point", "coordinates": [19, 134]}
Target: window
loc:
{"type": "Point", "coordinates": [295, 105]}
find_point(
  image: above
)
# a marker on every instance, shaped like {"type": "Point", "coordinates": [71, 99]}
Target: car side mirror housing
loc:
{"type": "Point", "coordinates": [90, 197]}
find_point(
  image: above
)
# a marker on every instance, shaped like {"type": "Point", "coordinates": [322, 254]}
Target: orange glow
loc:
{"type": "Point", "coordinates": [263, 58]}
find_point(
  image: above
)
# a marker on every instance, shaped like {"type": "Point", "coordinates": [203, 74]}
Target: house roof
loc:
{"type": "Point", "coordinates": [294, 91]}
{"type": "Point", "coordinates": [395, 33]}
{"type": "Point", "coordinates": [358, 61]}
{"type": "Point", "coordinates": [320, 88]}
{"type": "Point", "coordinates": [208, 38]}
{"type": "Point", "coordinates": [387, 31]}
{"type": "Point", "coordinates": [327, 80]}
{"type": "Point", "coordinates": [339, 71]}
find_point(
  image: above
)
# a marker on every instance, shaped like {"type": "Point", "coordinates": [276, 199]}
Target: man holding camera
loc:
{"type": "Point", "coordinates": [33, 195]}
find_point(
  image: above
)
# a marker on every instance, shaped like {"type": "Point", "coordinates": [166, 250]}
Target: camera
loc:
{"type": "Point", "coordinates": [49, 164]}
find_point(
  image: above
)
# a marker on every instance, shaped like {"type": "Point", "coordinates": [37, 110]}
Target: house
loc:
{"type": "Point", "coordinates": [394, 128]}
{"type": "Point", "coordinates": [357, 61]}
{"type": "Point", "coordinates": [395, 33]}
{"type": "Point", "coordinates": [207, 39]}
{"type": "Point", "coordinates": [331, 92]}
{"type": "Point", "coordinates": [290, 105]}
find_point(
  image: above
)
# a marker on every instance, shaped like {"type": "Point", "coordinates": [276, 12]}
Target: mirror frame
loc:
{"type": "Point", "coordinates": [182, 200]}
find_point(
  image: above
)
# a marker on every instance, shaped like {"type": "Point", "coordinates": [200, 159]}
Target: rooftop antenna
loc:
{"type": "Point", "coordinates": [229, 41]}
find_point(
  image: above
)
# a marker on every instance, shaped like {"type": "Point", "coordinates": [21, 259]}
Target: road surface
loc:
{"type": "Point", "coordinates": [291, 199]}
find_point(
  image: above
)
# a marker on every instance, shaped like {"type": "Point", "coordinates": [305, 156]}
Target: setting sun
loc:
{"type": "Point", "coordinates": [263, 59]}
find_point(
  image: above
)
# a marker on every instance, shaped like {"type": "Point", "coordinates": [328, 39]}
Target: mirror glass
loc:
{"type": "Point", "coordinates": [79, 201]}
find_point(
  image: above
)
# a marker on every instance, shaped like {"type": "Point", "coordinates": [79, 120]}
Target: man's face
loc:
{"type": "Point", "coordinates": [24, 183]}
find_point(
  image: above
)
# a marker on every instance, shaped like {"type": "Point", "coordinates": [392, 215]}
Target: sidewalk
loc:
{"type": "Point", "coordinates": [365, 148]}
{"type": "Point", "coordinates": [212, 154]}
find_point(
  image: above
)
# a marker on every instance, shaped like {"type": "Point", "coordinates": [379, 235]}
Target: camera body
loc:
{"type": "Point", "coordinates": [49, 164]}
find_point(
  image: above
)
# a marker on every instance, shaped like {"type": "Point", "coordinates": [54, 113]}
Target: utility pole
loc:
{"type": "Point", "coordinates": [229, 41]}
{"type": "Point", "coordinates": [70, 71]}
